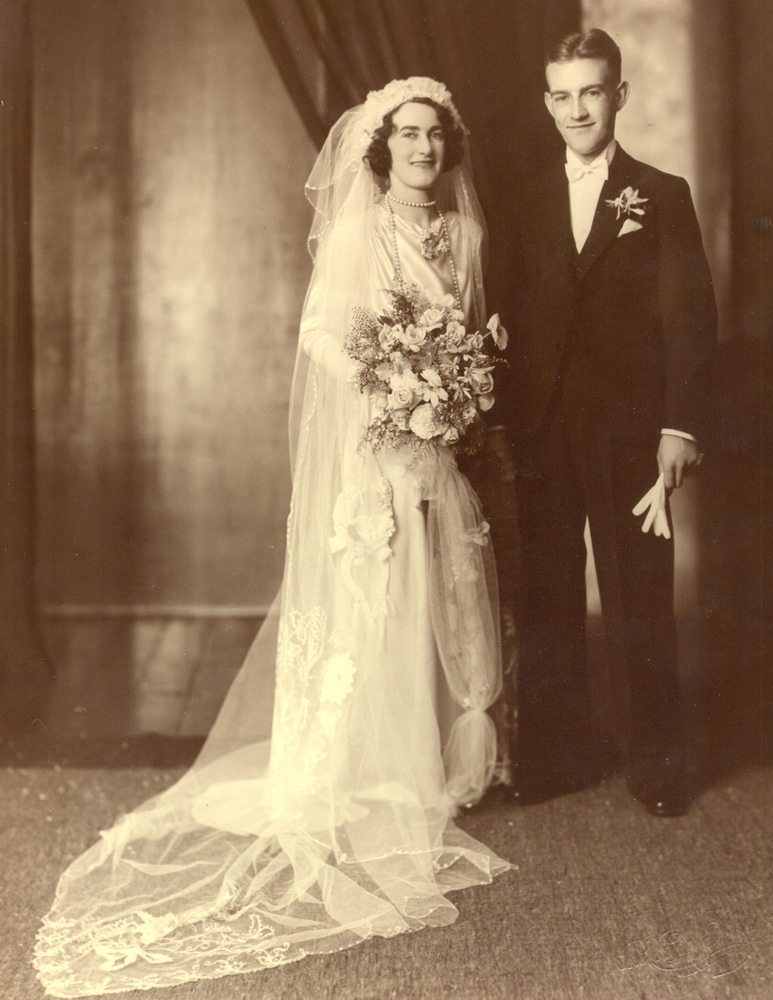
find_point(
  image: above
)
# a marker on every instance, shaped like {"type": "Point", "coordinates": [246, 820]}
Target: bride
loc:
{"type": "Point", "coordinates": [384, 636]}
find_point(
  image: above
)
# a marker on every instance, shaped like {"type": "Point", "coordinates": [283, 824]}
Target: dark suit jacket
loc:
{"type": "Point", "coordinates": [626, 325]}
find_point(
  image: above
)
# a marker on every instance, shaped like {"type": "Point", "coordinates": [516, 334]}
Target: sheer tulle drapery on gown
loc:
{"type": "Point", "coordinates": [385, 641]}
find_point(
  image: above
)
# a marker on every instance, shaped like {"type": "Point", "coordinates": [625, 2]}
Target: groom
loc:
{"type": "Point", "coordinates": [614, 317]}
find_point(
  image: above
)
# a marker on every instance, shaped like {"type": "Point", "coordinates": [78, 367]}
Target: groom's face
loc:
{"type": "Point", "coordinates": [584, 99]}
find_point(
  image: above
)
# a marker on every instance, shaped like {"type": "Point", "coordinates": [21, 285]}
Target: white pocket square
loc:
{"type": "Point", "coordinates": [629, 226]}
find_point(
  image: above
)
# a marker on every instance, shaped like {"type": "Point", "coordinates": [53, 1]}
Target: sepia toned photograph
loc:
{"type": "Point", "coordinates": [385, 499]}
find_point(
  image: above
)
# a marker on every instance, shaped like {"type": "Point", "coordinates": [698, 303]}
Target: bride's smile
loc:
{"type": "Point", "coordinates": [417, 147]}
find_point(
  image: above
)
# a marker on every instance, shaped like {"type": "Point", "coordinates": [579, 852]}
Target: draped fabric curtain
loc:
{"type": "Point", "coordinates": [23, 673]}
{"type": "Point", "coordinates": [737, 480]}
{"type": "Point", "coordinates": [330, 53]}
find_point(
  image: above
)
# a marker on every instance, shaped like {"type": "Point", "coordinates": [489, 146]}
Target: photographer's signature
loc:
{"type": "Point", "coordinates": [683, 956]}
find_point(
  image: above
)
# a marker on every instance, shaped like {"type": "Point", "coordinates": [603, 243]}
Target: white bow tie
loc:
{"type": "Point", "coordinates": [576, 171]}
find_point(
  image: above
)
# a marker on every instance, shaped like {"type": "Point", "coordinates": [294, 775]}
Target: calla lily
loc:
{"type": "Point", "coordinates": [497, 331]}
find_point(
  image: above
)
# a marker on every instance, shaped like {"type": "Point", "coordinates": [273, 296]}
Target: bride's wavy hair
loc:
{"type": "Point", "coordinates": [379, 157]}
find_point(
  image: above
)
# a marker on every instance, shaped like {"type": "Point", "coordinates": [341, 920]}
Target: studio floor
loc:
{"type": "Point", "coordinates": [607, 902]}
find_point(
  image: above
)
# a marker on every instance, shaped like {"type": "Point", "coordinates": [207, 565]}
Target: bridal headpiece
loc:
{"type": "Point", "coordinates": [380, 102]}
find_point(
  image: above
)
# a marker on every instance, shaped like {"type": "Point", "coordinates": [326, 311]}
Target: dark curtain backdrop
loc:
{"type": "Point", "coordinates": [737, 542]}
{"type": "Point", "coordinates": [330, 53]}
{"type": "Point", "coordinates": [22, 670]}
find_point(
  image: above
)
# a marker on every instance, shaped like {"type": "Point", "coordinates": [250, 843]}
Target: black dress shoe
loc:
{"type": "Point", "coordinates": [661, 795]}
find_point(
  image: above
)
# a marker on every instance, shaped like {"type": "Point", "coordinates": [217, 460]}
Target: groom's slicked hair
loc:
{"type": "Point", "coordinates": [593, 44]}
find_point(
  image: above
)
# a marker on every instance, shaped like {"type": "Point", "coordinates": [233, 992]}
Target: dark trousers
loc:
{"type": "Point", "coordinates": [572, 469]}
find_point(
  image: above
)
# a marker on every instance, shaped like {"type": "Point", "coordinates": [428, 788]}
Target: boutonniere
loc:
{"type": "Point", "coordinates": [627, 201]}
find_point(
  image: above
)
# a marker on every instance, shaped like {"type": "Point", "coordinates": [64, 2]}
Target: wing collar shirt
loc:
{"type": "Point", "coordinates": [585, 183]}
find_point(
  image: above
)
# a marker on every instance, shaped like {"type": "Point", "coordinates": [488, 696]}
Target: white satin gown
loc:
{"type": "Point", "coordinates": [339, 827]}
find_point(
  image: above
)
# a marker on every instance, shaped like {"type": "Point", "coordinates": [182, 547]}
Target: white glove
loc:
{"type": "Point", "coordinates": [655, 499]}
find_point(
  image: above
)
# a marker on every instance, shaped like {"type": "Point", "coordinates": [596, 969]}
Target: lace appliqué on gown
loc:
{"type": "Point", "coordinates": [363, 526]}
{"type": "Point", "coordinates": [315, 677]}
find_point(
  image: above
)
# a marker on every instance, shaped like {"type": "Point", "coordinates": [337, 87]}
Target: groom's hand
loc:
{"type": "Point", "coordinates": [677, 458]}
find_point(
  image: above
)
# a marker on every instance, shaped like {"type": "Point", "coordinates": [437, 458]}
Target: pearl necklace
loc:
{"type": "Point", "coordinates": [410, 204]}
{"type": "Point", "coordinates": [398, 266]}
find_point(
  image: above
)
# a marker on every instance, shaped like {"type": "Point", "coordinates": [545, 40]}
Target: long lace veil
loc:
{"type": "Point", "coordinates": [262, 853]}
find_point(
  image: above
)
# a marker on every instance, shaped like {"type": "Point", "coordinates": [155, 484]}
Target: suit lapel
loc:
{"type": "Point", "coordinates": [623, 173]}
{"type": "Point", "coordinates": [552, 218]}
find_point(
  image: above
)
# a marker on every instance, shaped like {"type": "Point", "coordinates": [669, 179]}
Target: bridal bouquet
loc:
{"type": "Point", "coordinates": [429, 376]}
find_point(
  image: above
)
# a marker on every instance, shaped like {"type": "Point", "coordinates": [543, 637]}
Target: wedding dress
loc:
{"type": "Point", "coordinates": [386, 645]}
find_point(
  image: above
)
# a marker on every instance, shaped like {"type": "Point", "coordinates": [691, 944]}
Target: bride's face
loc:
{"type": "Point", "coordinates": [417, 147]}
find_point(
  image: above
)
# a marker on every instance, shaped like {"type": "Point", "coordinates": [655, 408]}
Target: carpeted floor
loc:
{"type": "Point", "coordinates": [608, 903]}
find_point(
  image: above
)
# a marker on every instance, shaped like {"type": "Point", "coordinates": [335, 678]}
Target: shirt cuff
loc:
{"type": "Point", "coordinates": [679, 434]}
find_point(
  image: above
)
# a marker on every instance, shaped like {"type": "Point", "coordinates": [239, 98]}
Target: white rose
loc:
{"type": "Point", "coordinates": [450, 435]}
{"type": "Point", "coordinates": [431, 319]}
{"type": "Point", "coordinates": [400, 398]}
{"type": "Point", "coordinates": [486, 402]}
{"type": "Point", "coordinates": [481, 381]}
{"type": "Point", "coordinates": [423, 423]}
{"type": "Point", "coordinates": [413, 337]}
